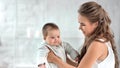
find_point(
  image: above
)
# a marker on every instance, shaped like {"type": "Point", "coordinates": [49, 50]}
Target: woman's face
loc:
{"type": "Point", "coordinates": [86, 26]}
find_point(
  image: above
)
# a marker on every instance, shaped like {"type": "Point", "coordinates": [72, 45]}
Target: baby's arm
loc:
{"type": "Point", "coordinates": [70, 51]}
{"type": "Point", "coordinates": [42, 57]}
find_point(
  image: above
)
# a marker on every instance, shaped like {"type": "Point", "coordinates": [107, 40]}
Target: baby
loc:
{"type": "Point", "coordinates": [53, 41]}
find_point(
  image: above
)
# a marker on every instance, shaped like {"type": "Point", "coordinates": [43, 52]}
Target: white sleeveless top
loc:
{"type": "Point", "coordinates": [109, 61]}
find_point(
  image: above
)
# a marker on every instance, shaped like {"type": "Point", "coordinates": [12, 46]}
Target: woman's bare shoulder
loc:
{"type": "Point", "coordinates": [97, 47]}
{"type": "Point", "coordinates": [94, 52]}
{"type": "Point", "coordinates": [97, 44]}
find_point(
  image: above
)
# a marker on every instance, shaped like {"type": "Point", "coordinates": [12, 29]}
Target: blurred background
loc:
{"type": "Point", "coordinates": [21, 22]}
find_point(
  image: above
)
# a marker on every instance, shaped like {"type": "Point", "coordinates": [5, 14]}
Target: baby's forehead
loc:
{"type": "Point", "coordinates": [52, 28]}
{"type": "Point", "coordinates": [53, 31]}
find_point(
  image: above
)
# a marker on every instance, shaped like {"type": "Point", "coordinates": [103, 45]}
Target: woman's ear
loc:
{"type": "Point", "coordinates": [96, 24]}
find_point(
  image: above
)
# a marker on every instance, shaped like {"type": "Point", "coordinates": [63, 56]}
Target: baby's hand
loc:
{"type": "Point", "coordinates": [41, 66]}
{"type": "Point", "coordinates": [77, 58]}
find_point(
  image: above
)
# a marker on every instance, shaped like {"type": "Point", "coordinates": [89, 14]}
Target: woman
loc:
{"type": "Point", "coordinates": [99, 50]}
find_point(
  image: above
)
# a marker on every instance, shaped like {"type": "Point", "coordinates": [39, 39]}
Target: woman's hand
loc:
{"type": "Point", "coordinates": [51, 57]}
{"type": "Point", "coordinates": [55, 59]}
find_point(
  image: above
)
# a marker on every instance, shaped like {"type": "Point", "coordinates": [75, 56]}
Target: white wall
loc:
{"type": "Point", "coordinates": [21, 22]}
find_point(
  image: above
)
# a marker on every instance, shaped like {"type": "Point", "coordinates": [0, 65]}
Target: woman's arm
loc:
{"type": "Point", "coordinates": [94, 52]}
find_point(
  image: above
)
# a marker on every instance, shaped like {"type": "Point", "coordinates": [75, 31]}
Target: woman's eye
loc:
{"type": "Point", "coordinates": [82, 24]}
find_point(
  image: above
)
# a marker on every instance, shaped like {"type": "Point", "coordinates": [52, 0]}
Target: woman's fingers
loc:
{"type": "Point", "coordinates": [51, 56]}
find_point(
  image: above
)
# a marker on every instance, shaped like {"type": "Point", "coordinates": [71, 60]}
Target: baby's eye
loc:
{"type": "Point", "coordinates": [58, 36]}
{"type": "Point", "coordinates": [52, 37]}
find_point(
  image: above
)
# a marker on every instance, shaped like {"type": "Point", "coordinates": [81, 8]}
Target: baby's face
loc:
{"type": "Point", "coordinates": [53, 37]}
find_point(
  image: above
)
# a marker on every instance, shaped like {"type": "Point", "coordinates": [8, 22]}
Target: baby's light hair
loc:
{"type": "Point", "coordinates": [47, 27]}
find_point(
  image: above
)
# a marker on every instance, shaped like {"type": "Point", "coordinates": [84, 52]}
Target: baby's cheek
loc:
{"type": "Point", "coordinates": [60, 41]}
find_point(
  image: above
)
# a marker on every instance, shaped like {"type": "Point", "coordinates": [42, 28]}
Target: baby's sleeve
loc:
{"type": "Point", "coordinates": [70, 50]}
{"type": "Point", "coordinates": [42, 55]}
